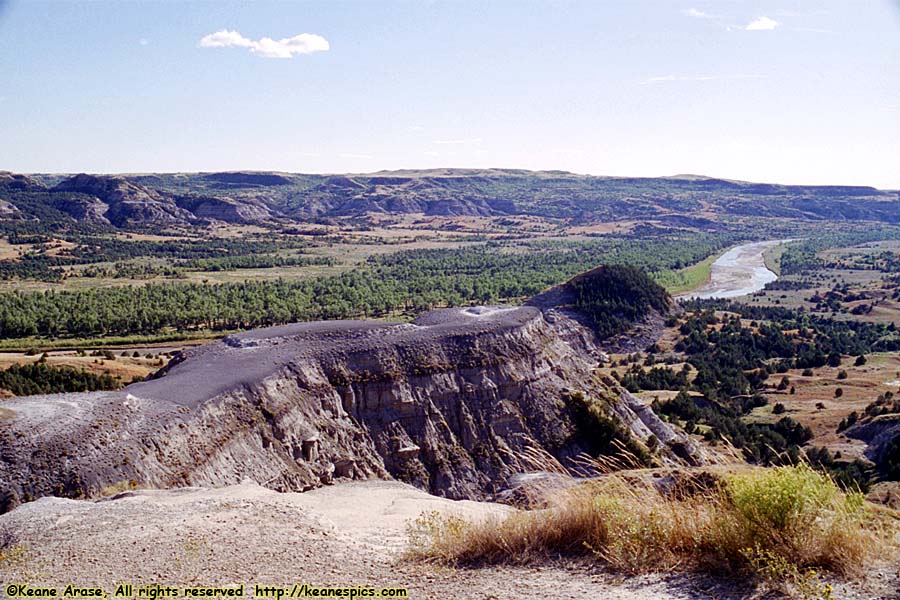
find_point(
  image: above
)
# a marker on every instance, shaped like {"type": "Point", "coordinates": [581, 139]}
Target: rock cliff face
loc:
{"type": "Point", "coordinates": [447, 403]}
{"type": "Point", "coordinates": [879, 433]}
{"type": "Point", "coordinates": [119, 202]}
{"type": "Point", "coordinates": [8, 210]}
{"type": "Point", "coordinates": [124, 203]}
{"type": "Point", "coordinates": [225, 209]}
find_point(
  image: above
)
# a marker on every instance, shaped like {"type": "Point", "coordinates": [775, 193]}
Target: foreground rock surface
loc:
{"type": "Point", "coordinates": [352, 534]}
{"type": "Point", "coordinates": [347, 535]}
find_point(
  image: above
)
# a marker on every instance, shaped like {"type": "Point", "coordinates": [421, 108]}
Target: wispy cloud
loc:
{"type": "Point", "coordinates": [356, 156]}
{"type": "Point", "coordinates": [697, 14]}
{"type": "Point", "coordinates": [415, 128]}
{"type": "Point", "coordinates": [676, 78]}
{"type": "Point", "coordinates": [762, 24]}
{"type": "Point", "coordinates": [143, 41]}
{"type": "Point", "coordinates": [459, 141]}
{"type": "Point", "coordinates": [304, 43]}
{"type": "Point", "coordinates": [431, 153]}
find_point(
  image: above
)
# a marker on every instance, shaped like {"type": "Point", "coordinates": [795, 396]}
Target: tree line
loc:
{"type": "Point", "coordinates": [404, 282]}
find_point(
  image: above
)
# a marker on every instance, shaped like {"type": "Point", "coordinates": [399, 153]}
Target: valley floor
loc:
{"type": "Point", "coordinates": [351, 534]}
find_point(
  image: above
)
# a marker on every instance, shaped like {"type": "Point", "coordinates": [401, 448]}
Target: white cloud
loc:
{"type": "Point", "coordinates": [762, 24]}
{"type": "Point", "coordinates": [143, 41]}
{"type": "Point", "coordinates": [304, 43]}
{"type": "Point", "coordinates": [356, 156]}
{"type": "Point", "coordinates": [223, 39]}
{"type": "Point", "coordinates": [459, 141]}
{"type": "Point", "coordinates": [431, 153]}
{"type": "Point", "coordinates": [697, 14]}
{"type": "Point", "coordinates": [415, 128]}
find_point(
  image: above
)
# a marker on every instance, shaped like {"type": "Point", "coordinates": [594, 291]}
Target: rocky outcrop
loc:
{"type": "Point", "coordinates": [223, 208]}
{"type": "Point", "coordinates": [8, 210]}
{"type": "Point", "coordinates": [81, 207]}
{"type": "Point", "coordinates": [448, 403]}
{"type": "Point", "coordinates": [16, 181]}
{"type": "Point", "coordinates": [878, 433]}
{"type": "Point", "coordinates": [127, 203]}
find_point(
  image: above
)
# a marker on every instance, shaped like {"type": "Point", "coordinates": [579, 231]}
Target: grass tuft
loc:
{"type": "Point", "coordinates": [781, 524]}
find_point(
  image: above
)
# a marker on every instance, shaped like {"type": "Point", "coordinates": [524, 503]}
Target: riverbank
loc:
{"type": "Point", "coordinates": [740, 271]}
{"type": "Point", "coordinates": [690, 278]}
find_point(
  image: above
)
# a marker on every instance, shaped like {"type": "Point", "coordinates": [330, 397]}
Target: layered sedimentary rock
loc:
{"type": "Point", "coordinates": [169, 198]}
{"type": "Point", "coordinates": [226, 209]}
{"type": "Point", "coordinates": [448, 403]}
{"type": "Point", "coordinates": [117, 201]}
{"type": "Point", "coordinates": [879, 434]}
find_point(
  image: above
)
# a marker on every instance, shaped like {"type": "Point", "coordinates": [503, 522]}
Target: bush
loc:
{"type": "Point", "coordinates": [751, 521]}
{"type": "Point", "coordinates": [848, 421]}
{"type": "Point", "coordinates": [778, 409]}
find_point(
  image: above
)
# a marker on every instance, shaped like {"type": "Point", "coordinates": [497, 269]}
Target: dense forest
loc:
{"type": "Point", "coordinates": [404, 282]}
{"type": "Point", "coordinates": [41, 378]}
{"type": "Point", "coordinates": [613, 297]}
{"type": "Point", "coordinates": [47, 256]}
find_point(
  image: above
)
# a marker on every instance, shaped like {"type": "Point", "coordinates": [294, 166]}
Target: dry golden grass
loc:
{"type": "Point", "coordinates": [125, 368]}
{"type": "Point", "coordinates": [124, 485]}
{"type": "Point", "coordinates": [9, 251]}
{"type": "Point", "coordinates": [814, 403]}
{"type": "Point", "coordinates": [778, 523]}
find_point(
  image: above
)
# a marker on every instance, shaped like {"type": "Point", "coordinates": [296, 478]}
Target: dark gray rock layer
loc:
{"type": "Point", "coordinates": [447, 403]}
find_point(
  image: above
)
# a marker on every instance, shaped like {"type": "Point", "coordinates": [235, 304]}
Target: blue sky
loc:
{"type": "Point", "coordinates": [785, 91]}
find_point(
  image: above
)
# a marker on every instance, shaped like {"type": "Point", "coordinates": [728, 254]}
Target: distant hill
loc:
{"type": "Point", "coordinates": [137, 199]}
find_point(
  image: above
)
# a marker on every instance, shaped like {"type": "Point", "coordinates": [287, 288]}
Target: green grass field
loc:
{"type": "Point", "coordinates": [688, 278]}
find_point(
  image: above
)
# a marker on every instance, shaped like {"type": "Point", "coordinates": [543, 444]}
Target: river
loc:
{"type": "Point", "coordinates": [740, 271]}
